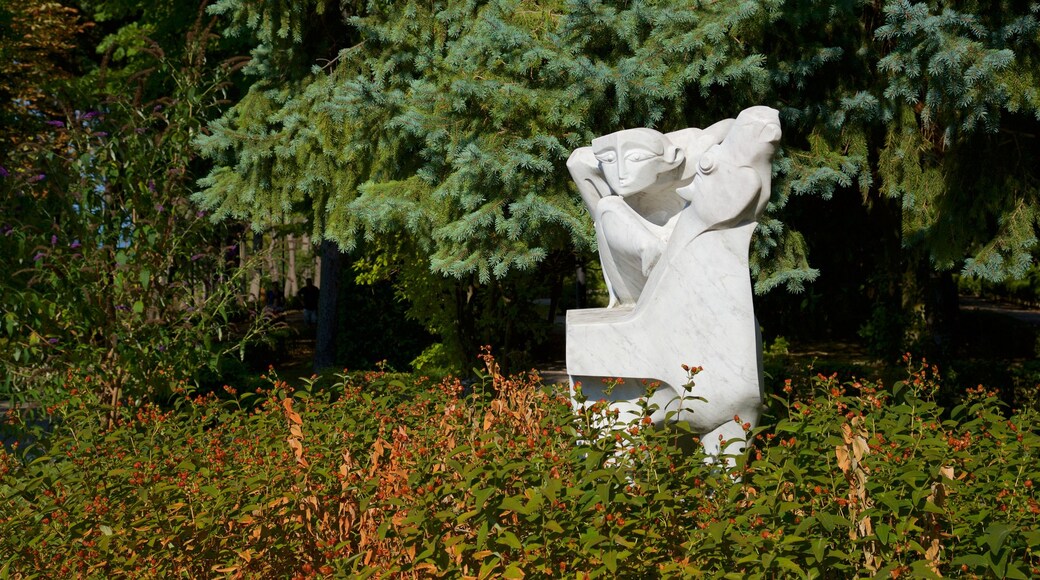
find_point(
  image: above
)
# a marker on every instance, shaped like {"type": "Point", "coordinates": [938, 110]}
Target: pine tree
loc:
{"type": "Point", "coordinates": [445, 125]}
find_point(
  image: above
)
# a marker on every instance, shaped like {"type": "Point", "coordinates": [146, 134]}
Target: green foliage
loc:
{"type": "Point", "coordinates": [110, 269]}
{"type": "Point", "coordinates": [449, 123]}
{"type": "Point", "coordinates": [452, 121]}
{"type": "Point", "coordinates": [462, 313]}
{"type": "Point", "coordinates": [963, 75]}
{"type": "Point", "coordinates": [387, 474]}
{"type": "Point", "coordinates": [130, 34]}
{"type": "Point", "coordinates": [376, 326]}
{"type": "Point", "coordinates": [1024, 290]}
{"type": "Point", "coordinates": [37, 57]}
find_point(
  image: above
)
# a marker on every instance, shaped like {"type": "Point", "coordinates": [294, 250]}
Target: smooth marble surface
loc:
{"type": "Point", "coordinates": [674, 217]}
{"type": "Point", "coordinates": [630, 180]}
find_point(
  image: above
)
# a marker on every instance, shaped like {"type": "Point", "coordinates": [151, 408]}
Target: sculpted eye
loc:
{"type": "Point", "coordinates": [640, 156]}
{"type": "Point", "coordinates": [607, 157]}
{"type": "Point", "coordinates": [706, 164]}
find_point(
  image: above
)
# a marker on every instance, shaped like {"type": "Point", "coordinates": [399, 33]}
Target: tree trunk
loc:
{"type": "Point", "coordinates": [292, 283]}
{"type": "Point", "coordinates": [312, 263]}
{"type": "Point", "coordinates": [254, 281]}
{"type": "Point", "coordinates": [325, 347]}
{"type": "Point", "coordinates": [581, 291]}
{"type": "Point", "coordinates": [555, 292]}
{"type": "Point", "coordinates": [933, 307]}
{"type": "Point", "coordinates": [271, 264]}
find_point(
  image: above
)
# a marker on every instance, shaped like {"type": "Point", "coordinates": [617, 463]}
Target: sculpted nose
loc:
{"type": "Point", "coordinates": [622, 172]}
{"type": "Point", "coordinates": [690, 191]}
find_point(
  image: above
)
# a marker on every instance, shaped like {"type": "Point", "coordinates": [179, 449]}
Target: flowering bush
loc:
{"type": "Point", "coordinates": [391, 475]}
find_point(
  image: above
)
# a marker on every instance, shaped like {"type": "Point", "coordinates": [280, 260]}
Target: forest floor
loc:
{"type": "Point", "coordinates": [1010, 309]}
{"type": "Point", "coordinates": [299, 364]}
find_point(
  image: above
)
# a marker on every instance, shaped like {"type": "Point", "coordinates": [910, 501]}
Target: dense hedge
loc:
{"type": "Point", "coordinates": [388, 475]}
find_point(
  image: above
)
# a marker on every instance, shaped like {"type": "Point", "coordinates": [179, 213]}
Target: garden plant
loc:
{"type": "Point", "coordinates": [387, 475]}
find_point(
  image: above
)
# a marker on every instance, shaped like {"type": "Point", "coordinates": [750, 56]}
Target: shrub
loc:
{"type": "Point", "coordinates": [393, 475]}
{"type": "Point", "coordinates": [108, 267]}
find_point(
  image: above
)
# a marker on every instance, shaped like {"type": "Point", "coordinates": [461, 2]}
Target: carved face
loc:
{"type": "Point", "coordinates": [732, 180]}
{"type": "Point", "coordinates": [632, 160]}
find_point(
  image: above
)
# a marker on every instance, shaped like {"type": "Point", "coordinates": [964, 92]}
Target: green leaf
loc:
{"type": "Point", "coordinates": [717, 530]}
{"type": "Point", "coordinates": [1013, 572]}
{"type": "Point", "coordinates": [999, 567]}
{"type": "Point", "coordinates": [452, 540]}
{"type": "Point", "coordinates": [972, 560]}
{"type": "Point", "coordinates": [480, 496]}
{"type": "Point", "coordinates": [932, 508]}
{"type": "Point", "coordinates": [211, 490]}
{"type": "Point", "coordinates": [830, 521]}
{"type": "Point", "coordinates": [482, 534]}
{"type": "Point", "coordinates": [995, 535]}
{"type": "Point", "coordinates": [486, 568]}
{"type": "Point", "coordinates": [533, 504]}
{"type": "Point", "coordinates": [883, 532]}
{"type": "Point", "coordinates": [922, 569]}
{"type": "Point", "coordinates": [508, 538]}
{"type": "Point", "coordinates": [138, 307]}
{"type": "Point", "coordinates": [466, 515]}
{"type": "Point", "coordinates": [552, 488]}
{"type": "Point", "coordinates": [590, 538]}
{"type": "Point", "coordinates": [514, 504]}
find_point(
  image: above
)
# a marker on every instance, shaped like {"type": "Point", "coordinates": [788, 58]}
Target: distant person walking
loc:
{"type": "Point", "coordinates": [309, 296]}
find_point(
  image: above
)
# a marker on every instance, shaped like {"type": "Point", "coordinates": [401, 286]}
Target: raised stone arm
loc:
{"type": "Point", "coordinates": [592, 185]}
{"type": "Point", "coordinates": [585, 171]}
{"type": "Point", "coordinates": [615, 178]}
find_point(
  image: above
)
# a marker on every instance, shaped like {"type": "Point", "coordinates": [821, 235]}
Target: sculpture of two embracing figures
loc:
{"type": "Point", "coordinates": [674, 216]}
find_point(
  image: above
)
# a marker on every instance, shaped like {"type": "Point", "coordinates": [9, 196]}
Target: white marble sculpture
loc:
{"type": "Point", "coordinates": [674, 215]}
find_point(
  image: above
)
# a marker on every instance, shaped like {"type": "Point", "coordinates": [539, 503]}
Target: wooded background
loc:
{"type": "Point", "coordinates": [161, 162]}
